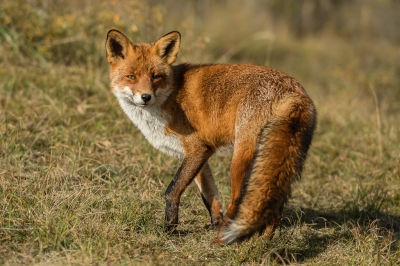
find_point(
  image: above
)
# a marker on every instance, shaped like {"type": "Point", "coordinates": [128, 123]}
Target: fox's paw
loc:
{"type": "Point", "coordinates": [217, 241]}
{"type": "Point", "coordinates": [209, 226]}
{"type": "Point", "coordinates": [269, 231]}
{"type": "Point", "coordinates": [212, 226]}
{"type": "Point", "coordinates": [216, 221]}
{"type": "Point", "coordinates": [170, 228]}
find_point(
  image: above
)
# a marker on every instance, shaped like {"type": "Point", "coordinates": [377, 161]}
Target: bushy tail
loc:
{"type": "Point", "coordinates": [278, 162]}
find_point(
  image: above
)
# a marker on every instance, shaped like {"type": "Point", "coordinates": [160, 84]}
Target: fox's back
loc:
{"type": "Point", "coordinates": [217, 101]}
{"type": "Point", "coordinates": [225, 81]}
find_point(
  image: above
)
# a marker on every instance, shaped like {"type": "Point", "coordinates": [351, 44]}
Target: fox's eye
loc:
{"type": "Point", "coordinates": [155, 77]}
{"type": "Point", "coordinates": [131, 77]}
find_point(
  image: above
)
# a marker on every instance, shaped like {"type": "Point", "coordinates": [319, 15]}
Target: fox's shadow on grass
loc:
{"type": "Point", "coordinates": [313, 241]}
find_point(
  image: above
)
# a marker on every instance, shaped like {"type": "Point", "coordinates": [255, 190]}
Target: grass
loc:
{"type": "Point", "coordinates": [80, 185]}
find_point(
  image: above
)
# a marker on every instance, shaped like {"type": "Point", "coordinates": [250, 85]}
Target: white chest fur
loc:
{"type": "Point", "coordinates": [151, 121]}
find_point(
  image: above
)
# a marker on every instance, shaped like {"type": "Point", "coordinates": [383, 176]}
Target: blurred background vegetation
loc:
{"type": "Point", "coordinates": [79, 183]}
{"type": "Point", "coordinates": [67, 31]}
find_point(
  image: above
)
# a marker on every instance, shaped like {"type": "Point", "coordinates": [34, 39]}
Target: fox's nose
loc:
{"type": "Point", "coordinates": [146, 97]}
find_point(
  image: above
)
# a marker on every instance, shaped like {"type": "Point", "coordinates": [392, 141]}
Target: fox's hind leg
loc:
{"type": "Point", "coordinates": [240, 169]}
{"type": "Point", "coordinates": [273, 222]}
{"type": "Point", "coordinates": [241, 161]}
{"type": "Point", "coordinates": [209, 193]}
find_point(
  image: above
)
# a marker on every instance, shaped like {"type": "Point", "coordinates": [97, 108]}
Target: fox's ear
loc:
{"type": "Point", "coordinates": [117, 46]}
{"type": "Point", "coordinates": [167, 47]}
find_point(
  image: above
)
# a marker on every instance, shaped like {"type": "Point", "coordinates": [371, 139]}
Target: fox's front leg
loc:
{"type": "Point", "coordinates": [209, 193]}
{"type": "Point", "coordinates": [190, 167]}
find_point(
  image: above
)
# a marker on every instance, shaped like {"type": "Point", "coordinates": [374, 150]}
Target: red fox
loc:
{"type": "Point", "coordinates": [192, 111]}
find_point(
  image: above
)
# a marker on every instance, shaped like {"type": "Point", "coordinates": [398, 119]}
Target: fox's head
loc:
{"type": "Point", "coordinates": [141, 72]}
